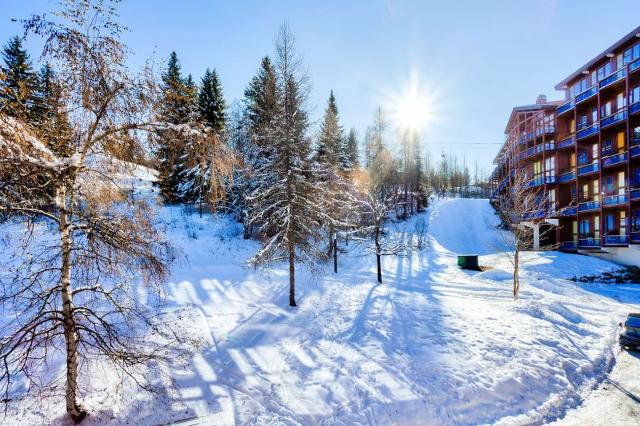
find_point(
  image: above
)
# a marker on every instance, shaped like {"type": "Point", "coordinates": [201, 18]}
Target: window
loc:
{"type": "Point", "coordinates": [594, 115]}
{"type": "Point", "coordinates": [619, 61]}
{"type": "Point", "coordinates": [583, 158]}
{"type": "Point", "coordinates": [621, 101]}
{"type": "Point", "coordinates": [585, 192]}
{"type": "Point", "coordinates": [594, 152]}
{"type": "Point", "coordinates": [635, 177]}
{"type": "Point", "coordinates": [582, 122]}
{"type": "Point", "coordinates": [631, 54]}
{"type": "Point", "coordinates": [609, 223]}
{"type": "Point", "coordinates": [622, 183]}
{"type": "Point", "coordinates": [620, 141]}
{"type": "Point", "coordinates": [607, 146]}
{"type": "Point", "coordinates": [634, 95]}
{"type": "Point", "coordinates": [635, 135]}
{"type": "Point", "coordinates": [596, 194]}
{"type": "Point", "coordinates": [635, 220]}
{"type": "Point", "coordinates": [607, 185]}
{"type": "Point", "coordinates": [623, 223]}
{"type": "Point", "coordinates": [606, 109]}
{"type": "Point", "coordinates": [604, 70]}
{"type": "Point", "coordinates": [596, 227]}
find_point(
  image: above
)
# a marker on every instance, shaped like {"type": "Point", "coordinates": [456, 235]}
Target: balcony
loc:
{"type": "Point", "coordinates": [568, 106]}
{"type": "Point", "coordinates": [614, 160]}
{"type": "Point", "coordinates": [550, 179]}
{"type": "Point", "coordinates": [526, 154]}
{"type": "Point", "coordinates": [634, 151]}
{"type": "Point", "coordinates": [588, 169]}
{"type": "Point", "coordinates": [616, 240]}
{"type": "Point", "coordinates": [568, 246]}
{"type": "Point", "coordinates": [634, 194]}
{"type": "Point", "coordinates": [589, 131]}
{"type": "Point", "coordinates": [612, 78]}
{"type": "Point", "coordinates": [614, 200]}
{"type": "Point", "coordinates": [635, 237]}
{"type": "Point", "coordinates": [612, 119]}
{"type": "Point", "coordinates": [634, 66]}
{"type": "Point", "coordinates": [567, 177]}
{"type": "Point", "coordinates": [587, 94]}
{"type": "Point", "coordinates": [536, 181]}
{"type": "Point", "coordinates": [588, 206]}
{"type": "Point", "coordinates": [568, 211]}
{"type": "Point", "coordinates": [537, 214]}
{"type": "Point", "coordinates": [634, 108]}
{"type": "Point", "coordinates": [589, 242]}
{"type": "Point", "coordinates": [567, 142]}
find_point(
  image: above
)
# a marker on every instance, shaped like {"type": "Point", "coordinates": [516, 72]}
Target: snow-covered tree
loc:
{"type": "Point", "coordinates": [68, 270]}
{"type": "Point", "coordinates": [284, 203]}
{"type": "Point", "coordinates": [350, 159]}
{"type": "Point", "coordinates": [330, 147]}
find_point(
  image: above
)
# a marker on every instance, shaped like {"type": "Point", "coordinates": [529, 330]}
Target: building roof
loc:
{"type": "Point", "coordinates": [587, 67]}
{"type": "Point", "coordinates": [551, 105]}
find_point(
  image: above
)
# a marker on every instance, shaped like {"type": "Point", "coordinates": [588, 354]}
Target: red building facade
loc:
{"type": "Point", "coordinates": [583, 155]}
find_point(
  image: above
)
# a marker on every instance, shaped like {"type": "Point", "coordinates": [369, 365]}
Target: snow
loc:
{"type": "Point", "coordinates": [432, 345]}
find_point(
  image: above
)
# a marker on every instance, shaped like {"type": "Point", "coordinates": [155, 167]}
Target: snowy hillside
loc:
{"type": "Point", "coordinates": [433, 345]}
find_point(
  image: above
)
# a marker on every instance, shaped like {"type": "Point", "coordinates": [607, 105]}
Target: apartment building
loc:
{"type": "Point", "coordinates": [583, 155]}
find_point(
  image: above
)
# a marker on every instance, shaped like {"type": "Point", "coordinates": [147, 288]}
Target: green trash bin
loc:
{"type": "Point", "coordinates": [468, 261]}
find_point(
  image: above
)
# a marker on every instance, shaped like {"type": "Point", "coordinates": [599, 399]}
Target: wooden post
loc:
{"type": "Point", "coordinates": [335, 253]}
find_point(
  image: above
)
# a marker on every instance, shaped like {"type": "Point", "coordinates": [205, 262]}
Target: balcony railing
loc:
{"type": "Point", "coordinates": [537, 214]}
{"type": "Point", "coordinates": [614, 118]}
{"type": "Point", "coordinates": [614, 200]}
{"type": "Point", "coordinates": [612, 78]}
{"type": "Point", "coordinates": [591, 130]}
{"type": "Point", "coordinates": [634, 66]}
{"type": "Point", "coordinates": [589, 93]}
{"type": "Point", "coordinates": [526, 154]}
{"type": "Point", "coordinates": [567, 177]}
{"type": "Point", "coordinates": [550, 179]}
{"type": "Point", "coordinates": [616, 240]}
{"type": "Point", "coordinates": [568, 246]}
{"type": "Point", "coordinates": [589, 168]}
{"type": "Point", "coordinates": [634, 151]}
{"type": "Point", "coordinates": [568, 106]}
{"type": "Point", "coordinates": [536, 181]}
{"type": "Point", "coordinates": [570, 141]}
{"type": "Point", "coordinates": [588, 206]}
{"type": "Point", "coordinates": [635, 236]}
{"type": "Point", "coordinates": [634, 108]}
{"type": "Point", "coordinates": [588, 242]}
{"type": "Point", "coordinates": [615, 159]}
{"type": "Point", "coordinates": [569, 211]}
{"type": "Point", "coordinates": [634, 194]}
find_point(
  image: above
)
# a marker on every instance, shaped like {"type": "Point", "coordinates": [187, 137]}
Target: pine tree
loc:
{"type": "Point", "coordinates": [330, 145]}
{"type": "Point", "coordinates": [19, 81]}
{"type": "Point", "coordinates": [49, 114]}
{"type": "Point", "coordinates": [284, 203]}
{"type": "Point", "coordinates": [350, 151]}
{"type": "Point", "coordinates": [177, 108]}
{"type": "Point", "coordinates": [211, 104]}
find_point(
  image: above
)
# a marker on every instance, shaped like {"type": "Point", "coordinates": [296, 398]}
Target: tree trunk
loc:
{"type": "Point", "coordinates": [70, 333]}
{"type": "Point", "coordinates": [335, 254]}
{"type": "Point", "coordinates": [292, 277]}
{"type": "Point", "coordinates": [516, 267]}
{"type": "Point", "coordinates": [378, 251]}
{"type": "Point", "coordinates": [330, 249]}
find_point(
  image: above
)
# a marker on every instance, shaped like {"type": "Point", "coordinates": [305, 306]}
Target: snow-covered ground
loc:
{"type": "Point", "coordinates": [432, 345]}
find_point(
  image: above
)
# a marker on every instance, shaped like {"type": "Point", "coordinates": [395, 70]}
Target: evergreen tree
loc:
{"type": "Point", "coordinates": [49, 115]}
{"type": "Point", "coordinates": [350, 151]}
{"type": "Point", "coordinates": [284, 203]}
{"type": "Point", "coordinates": [330, 147]}
{"type": "Point", "coordinates": [177, 108]}
{"type": "Point", "coordinates": [19, 81]}
{"type": "Point", "coordinates": [261, 99]}
{"type": "Point", "coordinates": [211, 105]}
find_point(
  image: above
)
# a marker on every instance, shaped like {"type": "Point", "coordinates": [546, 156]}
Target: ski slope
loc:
{"type": "Point", "coordinates": [433, 345]}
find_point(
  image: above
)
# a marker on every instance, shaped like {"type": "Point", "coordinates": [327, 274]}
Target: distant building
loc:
{"type": "Point", "coordinates": [584, 153]}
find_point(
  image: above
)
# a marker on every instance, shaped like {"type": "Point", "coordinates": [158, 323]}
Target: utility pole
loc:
{"type": "Point", "coordinates": [335, 252]}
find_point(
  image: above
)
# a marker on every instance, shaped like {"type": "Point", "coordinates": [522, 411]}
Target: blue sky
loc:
{"type": "Point", "coordinates": [475, 59]}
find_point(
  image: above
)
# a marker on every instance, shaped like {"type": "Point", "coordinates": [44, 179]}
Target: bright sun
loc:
{"type": "Point", "coordinates": [412, 109]}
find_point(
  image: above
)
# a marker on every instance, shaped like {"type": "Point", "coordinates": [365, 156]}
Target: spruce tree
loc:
{"type": "Point", "coordinates": [329, 150]}
{"type": "Point", "coordinates": [19, 81]}
{"type": "Point", "coordinates": [350, 151]}
{"type": "Point", "coordinates": [211, 104]}
{"type": "Point", "coordinates": [49, 114]}
{"type": "Point", "coordinates": [177, 108]}
{"type": "Point", "coordinates": [285, 201]}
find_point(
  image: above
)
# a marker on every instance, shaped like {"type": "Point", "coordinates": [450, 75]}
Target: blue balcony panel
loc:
{"type": "Point", "coordinates": [634, 108]}
{"type": "Point", "coordinates": [568, 106]}
{"type": "Point", "coordinates": [634, 194]}
{"type": "Point", "coordinates": [589, 242]}
{"type": "Point", "coordinates": [614, 160]}
{"type": "Point", "coordinates": [569, 211]}
{"type": "Point", "coordinates": [537, 214]}
{"type": "Point", "coordinates": [570, 141]}
{"type": "Point", "coordinates": [635, 237]}
{"type": "Point", "coordinates": [618, 117]}
{"type": "Point", "coordinates": [612, 78]}
{"type": "Point", "coordinates": [589, 131]}
{"type": "Point", "coordinates": [634, 66]}
{"type": "Point", "coordinates": [587, 94]}
{"type": "Point", "coordinates": [634, 151]}
{"type": "Point", "coordinates": [588, 206]}
{"type": "Point", "coordinates": [589, 168]}
{"type": "Point", "coordinates": [567, 177]}
{"type": "Point", "coordinates": [616, 240]}
{"type": "Point", "coordinates": [614, 200]}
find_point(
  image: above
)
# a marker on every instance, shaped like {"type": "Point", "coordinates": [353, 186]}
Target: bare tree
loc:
{"type": "Point", "coordinates": [83, 245]}
{"type": "Point", "coordinates": [523, 208]}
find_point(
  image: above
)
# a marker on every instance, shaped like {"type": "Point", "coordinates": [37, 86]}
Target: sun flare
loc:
{"type": "Point", "coordinates": [412, 108]}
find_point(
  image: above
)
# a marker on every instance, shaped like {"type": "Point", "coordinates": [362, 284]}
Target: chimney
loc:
{"type": "Point", "coordinates": [542, 99]}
